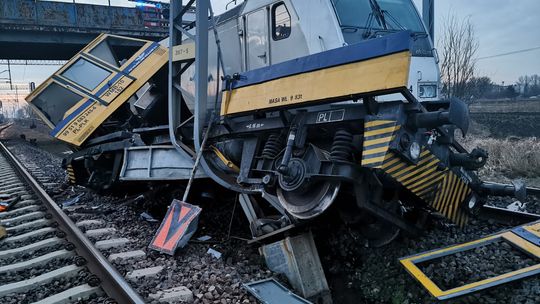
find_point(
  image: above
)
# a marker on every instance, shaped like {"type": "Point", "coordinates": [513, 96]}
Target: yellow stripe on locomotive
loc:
{"type": "Point", "coordinates": [373, 75]}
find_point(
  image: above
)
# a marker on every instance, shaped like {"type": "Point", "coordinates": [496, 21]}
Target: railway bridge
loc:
{"type": "Point", "coordinates": [46, 30]}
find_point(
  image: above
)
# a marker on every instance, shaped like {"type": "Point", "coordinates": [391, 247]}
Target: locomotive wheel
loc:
{"type": "Point", "coordinates": [310, 200]}
{"type": "Point", "coordinates": [379, 232]}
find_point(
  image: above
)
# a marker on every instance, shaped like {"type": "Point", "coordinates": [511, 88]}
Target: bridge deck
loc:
{"type": "Point", "coordinates": [54, 30]}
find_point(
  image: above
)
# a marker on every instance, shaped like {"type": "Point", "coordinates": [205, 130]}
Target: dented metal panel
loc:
{"type": "Point", "coordinates": [297, 258]}
{"type": "Point", "coordinates": [269, 291]}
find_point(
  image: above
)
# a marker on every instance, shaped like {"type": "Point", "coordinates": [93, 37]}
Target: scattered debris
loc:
{"type": "Point", "coordinates": [216, 254]}
{"type": "Point", "coordinates": [297, 258]}
{"type": "Point", "coordinates": [269, 291]}
{"type": "Point", "coordinates": [3, 232]}
{"type": "Point", "coordinates": [147, 217]}
{"type": "Point", "coordinates": [6, 204]}
{"type": "Point", "coordinates": [204, 238]}
{"type": "Point", "coordinates": [517, 206]}
{"type": "Point", "coordinates": [178, 226]}
{"type": "Point", "coordinates": [72, 201]}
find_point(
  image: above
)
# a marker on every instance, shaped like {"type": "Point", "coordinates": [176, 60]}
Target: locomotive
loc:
{"type": "Point", "coordinates": [306, 101]}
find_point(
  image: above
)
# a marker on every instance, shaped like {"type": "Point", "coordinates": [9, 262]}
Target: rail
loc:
{"type": "Point", "coordinates": [112, 282]}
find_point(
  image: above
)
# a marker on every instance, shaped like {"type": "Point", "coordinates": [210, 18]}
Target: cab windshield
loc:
{"type": "Point", "coordinates": [378, 15]}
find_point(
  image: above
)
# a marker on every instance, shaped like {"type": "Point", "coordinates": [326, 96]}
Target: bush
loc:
{"type": "Point", "coordinates": [513, 157]}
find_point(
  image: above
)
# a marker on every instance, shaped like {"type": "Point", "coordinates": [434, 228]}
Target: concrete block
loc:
{"type": "Point", "coordinates": [143, 273]}
{"type": "Point", "coordinates": [99, 232]}
{"type": "Point", "coordinates": [31, 234]}
{"type": "Point", "coordinates": [35, 246]}
{"type": "Point", "coordinates": [87, 223]}
{"type": "Point", "coordinates": [68, 296]}
{"type": "Point", "coordinates": [113, 243]}
{"type": "Point", "coordinates": [179, 294]}
{"type": "Point", "coordinates": [136, 254]}
{"type": "Point", "coordinates": [22, 286]}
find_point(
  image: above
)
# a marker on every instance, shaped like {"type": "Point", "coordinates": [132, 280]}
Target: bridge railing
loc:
{"type": "Point", "coordinates": [79, 17]}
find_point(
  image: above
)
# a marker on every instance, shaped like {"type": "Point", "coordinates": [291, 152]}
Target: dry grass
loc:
{"type": "Point", "coordinates": [511, 157]}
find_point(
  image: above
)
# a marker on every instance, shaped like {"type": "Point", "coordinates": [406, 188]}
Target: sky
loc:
{"type": "Point", "coordinates": [501, 26]}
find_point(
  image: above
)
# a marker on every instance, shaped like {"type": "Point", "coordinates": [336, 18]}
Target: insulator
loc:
{"type": "Point", "coordinates": [272, 147]}
{"type": "Point", "coordinates": [342, 146]}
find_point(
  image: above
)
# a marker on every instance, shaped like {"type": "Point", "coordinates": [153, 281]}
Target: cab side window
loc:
{"type": "Point", "coordinates": [281, 22]}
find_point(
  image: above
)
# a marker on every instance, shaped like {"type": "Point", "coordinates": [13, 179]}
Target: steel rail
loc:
{"type": "Point", "coordinates": [533, 191]}
{"type": "Point", "coordinates": [505, 216]}
{"type": "Point", "coordinates": [112, 282]}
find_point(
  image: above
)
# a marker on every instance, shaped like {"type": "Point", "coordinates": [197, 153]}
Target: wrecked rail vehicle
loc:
{"type": "Point", "coordinates": [307, 101]}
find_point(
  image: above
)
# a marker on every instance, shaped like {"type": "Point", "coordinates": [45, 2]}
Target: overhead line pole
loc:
{"type": "Point", "coordinates": [9, 73]}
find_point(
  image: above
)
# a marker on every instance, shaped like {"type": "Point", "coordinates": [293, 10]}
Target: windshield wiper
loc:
{"type": "Point", "coordinates": [378, 12]}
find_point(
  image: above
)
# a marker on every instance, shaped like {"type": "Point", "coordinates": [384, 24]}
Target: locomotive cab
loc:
{"type": "Point", "coordinates": [99, 99]}
{"type": "Point", "coordinates": [110, 73]}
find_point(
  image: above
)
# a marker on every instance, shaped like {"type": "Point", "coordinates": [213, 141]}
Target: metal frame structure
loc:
{"type": "Point", "coordinates": [179, 27]}
{"type": "Point", "coordinates": [525, 239]}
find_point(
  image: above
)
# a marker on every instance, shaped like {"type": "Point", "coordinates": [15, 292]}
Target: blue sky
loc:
{"type": "Point", "coordinates": [501, 26]}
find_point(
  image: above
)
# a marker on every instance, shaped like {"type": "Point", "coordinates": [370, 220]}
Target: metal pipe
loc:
{"type": "Point", "coordinates": [201, 69]}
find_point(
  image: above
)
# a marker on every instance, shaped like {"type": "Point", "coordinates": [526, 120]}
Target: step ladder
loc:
{"type": "Point", "coordinates": [524, 238]}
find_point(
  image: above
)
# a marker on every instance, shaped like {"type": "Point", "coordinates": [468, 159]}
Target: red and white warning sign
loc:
{"type": "Point", "coordinates": [179, 224]}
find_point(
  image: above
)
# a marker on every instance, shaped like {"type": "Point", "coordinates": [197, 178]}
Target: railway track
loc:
{"type": "Point", "coordinates": [45, 257]}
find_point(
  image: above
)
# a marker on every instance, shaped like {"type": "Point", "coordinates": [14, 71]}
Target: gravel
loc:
{"type": "Point", "coordinates": [42, 291]}
{"type": "Point", "coordinates": [15, 276]}
{"type": "Point", "coordinates": [355, 273]}
{"type": "Point", "coordinates": [29, 255]}
{"type": "Point", "coordinates": [475, 265]}
{"type": "Point", "coordinates": [26, 241]}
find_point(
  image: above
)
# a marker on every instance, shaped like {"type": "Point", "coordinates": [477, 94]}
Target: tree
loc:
{"type": "Point", "coordinates": [458, 47]}
{"type": "Point", "coordinates": [510, 92]}
{"type": "Point", "coordinates": [478, 87]}
{"type": "Point", "coordinates": [529, 85]}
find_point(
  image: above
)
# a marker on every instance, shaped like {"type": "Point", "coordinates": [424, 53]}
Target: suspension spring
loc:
{"type": "Point", "coordinates": [272, 147]}
{"type": "Point", "coordinates": [342, 146]}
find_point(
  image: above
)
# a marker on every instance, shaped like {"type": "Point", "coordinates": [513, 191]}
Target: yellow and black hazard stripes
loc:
{"type": "Point", "coordinates": [71, 174]}
{"type": "Point", "coordinates": [441, 189]}
{"type": "Point", "coordinates": [421, 179]}
{"type": "Point", "coordinates": [450, 194]}
{"type": "Point", "coordinates": [377, 137]}
{"type": "Point", "coordinates": [437, 186]}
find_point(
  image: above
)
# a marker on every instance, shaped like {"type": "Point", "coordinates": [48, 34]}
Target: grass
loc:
{"type": "Point", "coordinates": [511, 157]}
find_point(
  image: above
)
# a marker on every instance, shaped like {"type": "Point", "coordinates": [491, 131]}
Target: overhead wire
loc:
{"type": "Point", "coordinates": [510, 53]}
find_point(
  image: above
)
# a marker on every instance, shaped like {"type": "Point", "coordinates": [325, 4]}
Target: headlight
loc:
{"type": "Point", "coordinates": [427, 90]}
{"type": "Point", "coordinates": [414, 150]}
{"type": "Point", "coordinates": [472, 204]}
